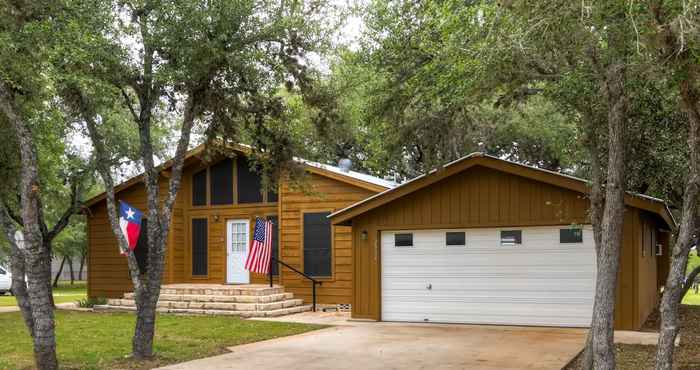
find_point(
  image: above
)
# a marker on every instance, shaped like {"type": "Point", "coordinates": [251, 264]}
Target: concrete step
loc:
{"type": "Point", "coordinates": [222, 290]}
{"type": "Point", "coordinates": [225, 306]}
{"type": "Point", "coordinates": [221, 298]}
{"type": "Point", "coordinates": [188, 311]}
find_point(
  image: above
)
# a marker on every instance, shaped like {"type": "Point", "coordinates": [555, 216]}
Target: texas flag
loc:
{"type": "Point", "coordinates": [130, 223]}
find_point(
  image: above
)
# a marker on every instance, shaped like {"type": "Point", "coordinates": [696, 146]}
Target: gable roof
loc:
{"type": "Point", "coordinates": [645, 202]}
{"type": "Point", "coordinates": [359, 179]}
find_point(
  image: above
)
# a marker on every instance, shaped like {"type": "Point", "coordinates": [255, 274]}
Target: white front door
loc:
{"type": "Point", "coordinates": [237, 251]}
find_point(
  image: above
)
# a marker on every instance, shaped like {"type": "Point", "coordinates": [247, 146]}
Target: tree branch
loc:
{"type": "Point", "coordinates": [69, 212]}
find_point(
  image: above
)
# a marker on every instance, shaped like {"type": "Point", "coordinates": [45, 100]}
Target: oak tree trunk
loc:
{"type": "Point", "coordinates": [38, 258]}
{"type": "Point", "coordinates": [60, 271]}
{"type": "Point", "coordinates": [596, 197]}
{"type": "Point", "coordinates": [17, 265]}
{"type": "Point", "coordinates": [80, 269]}
{"type": "Point", "coordinates": [608, 254]}
{"type": "Point", "coordinates": [70, 269]}
{"type": "Point", "coordinates": [673, 290]}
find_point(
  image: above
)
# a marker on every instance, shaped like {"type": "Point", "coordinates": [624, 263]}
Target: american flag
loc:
{"type": "Point", "coordinates": [260, 247]}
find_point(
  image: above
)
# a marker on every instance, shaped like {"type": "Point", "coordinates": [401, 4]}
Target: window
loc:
{"type": "Point", "coordinates": [272, 196]}
{"type": "Point", "coordinates": [141, 250]}
{"type": "Point", "coordinates": [570, 236]}
{"type": "Point", "coordinates": [403, 240]}
{"type": "Point", "coordinates": [275, 243]}
{"type": "Point", "coordinates": [249, 182]}
{"type": "Point", "coordinates": [317, 244]}
{"type": "Point", "coordinates": [199, 188]}
{"type": "Point", "coordinates": [511, 237]}
{"type": "Point", "coordinates": [455, 238]}
{"type": "Point", "coordinates": [221, 183]}
{"type": "Point", "coordinates": [199, 246]}
{"type": "Point", "coordinates": [2, 271]}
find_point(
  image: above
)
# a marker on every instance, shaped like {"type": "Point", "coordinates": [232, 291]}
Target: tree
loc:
{"type": "Point", "coordinates": [216, 64]}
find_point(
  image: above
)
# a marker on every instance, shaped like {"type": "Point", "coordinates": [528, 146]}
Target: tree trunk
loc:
{"type": "Point", "coordinates": [608, 255]}
{"type": "Point", "coordinates": [596, 207]}
{"type": "Point", "coordinates": [673, 290]}
{"type": "Point", "coordinates": [38, 259]}
{"type": "Point", "coordinates": [80, 269]}
{"type": "Point", "coordinates": [72, 272]}
{"type": "Point", "coordinates": [17, 265]}
{"type": "Point", "coordinates": [60, 271]}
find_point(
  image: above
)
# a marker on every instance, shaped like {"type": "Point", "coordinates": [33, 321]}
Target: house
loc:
{"type": "Point", "coordinates": [213, 218]}
{"type": "Point", "coordinates": [488, 241]}
{"type": "Point", "coordinates": [480, 240]}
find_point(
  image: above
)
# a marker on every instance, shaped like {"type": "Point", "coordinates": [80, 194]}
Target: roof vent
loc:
{"type": "Point", "coordinates": [345, 164]}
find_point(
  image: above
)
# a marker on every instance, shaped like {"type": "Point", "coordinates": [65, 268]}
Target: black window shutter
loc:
{"type": "Point", "coordinates": [199, 188]}
{"type": "Point", "coordinates": [249, 183]}
{"type": "Point", "coordinates": [141, 250]}
{"type": "Point", "coordinates": [317, 244]}
{"type": "Point", "coordinates": [275, 243]}
{"type": "Point", "coordinates": [199, 246]}
{"type": "Point", "coordinates": [221, 182]}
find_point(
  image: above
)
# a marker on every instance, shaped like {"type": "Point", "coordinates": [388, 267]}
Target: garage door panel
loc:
{"type": "Point", "coordinates": [540, 282]}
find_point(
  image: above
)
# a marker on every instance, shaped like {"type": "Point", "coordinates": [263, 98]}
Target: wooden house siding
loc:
{"type": "Point", "coordinates": [108, 271]}
{"type": "Point", "coordinates": [322, 194]}
{"type": "Point", "coordinates": [481, 197]}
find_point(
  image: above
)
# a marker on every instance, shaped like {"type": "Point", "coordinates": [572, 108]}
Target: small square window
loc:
{"type": "Point", "coordinates": [455, 238]}
{"type": "Point", "coordinates": [403, 240]}
{"type": "Point", "coordinates": [511, 237]}
{"type": "Point", "coordinates": [659, 249]}
{"type": "Point", "coordinates": [567, 236]}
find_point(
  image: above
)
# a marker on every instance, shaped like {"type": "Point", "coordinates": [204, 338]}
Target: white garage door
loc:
{"type": "Point", "coordinates": [548, 279]}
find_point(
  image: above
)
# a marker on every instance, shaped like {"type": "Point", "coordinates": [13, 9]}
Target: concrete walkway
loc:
{"type": "Point", "coordinates": [68, 305]}
{"type": "Point", "coordinates": [356, 345]}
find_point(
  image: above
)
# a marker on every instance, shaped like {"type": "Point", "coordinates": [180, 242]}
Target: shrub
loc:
{"type": "Point", "coordinates": [91, 302]}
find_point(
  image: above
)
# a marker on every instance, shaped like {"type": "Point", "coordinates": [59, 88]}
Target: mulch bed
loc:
{"type": "Point", "coordinates": [686, 355]}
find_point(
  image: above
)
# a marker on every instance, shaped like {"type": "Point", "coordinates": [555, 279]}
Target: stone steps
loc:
{"type": "Point", "coordinates": [212, 299]}
{"type": "Point", "coordinates": [227, 306]}
{"type": "Point", "coordinates": [221, 298]}
{"type": "Point", "coordinates": [188, 311]}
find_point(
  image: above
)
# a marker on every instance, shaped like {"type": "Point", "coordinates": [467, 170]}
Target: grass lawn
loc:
{"type": "Point", "coordinates": [691, 298]}
{"type": "Point", "coordinates": [88, 340]}
{"type": "Point", "coordinates": [63, 294]}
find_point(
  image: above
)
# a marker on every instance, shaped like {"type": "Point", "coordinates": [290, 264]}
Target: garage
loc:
{"type": "Point", "coordinates": [483, 240]}
{"type": "Point", "coordinates": [530, 276]}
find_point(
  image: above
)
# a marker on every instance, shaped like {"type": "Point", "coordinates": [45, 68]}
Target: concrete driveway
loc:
{"type": "Point", "coordinates": [406, 346]}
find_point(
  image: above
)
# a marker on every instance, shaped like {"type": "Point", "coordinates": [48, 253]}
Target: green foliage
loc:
{"type": "Point", "coordinates": [90, 302]}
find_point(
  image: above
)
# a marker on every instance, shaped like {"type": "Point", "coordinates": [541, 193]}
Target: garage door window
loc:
{"type": "Point", "coordinates": [455, 239]}
{"type": "Point", "coordinates": [511, 237]}
{"type": "Point", "coordinates": [568, 236]}
{"type": "Point", "coordinates": [403, 240]}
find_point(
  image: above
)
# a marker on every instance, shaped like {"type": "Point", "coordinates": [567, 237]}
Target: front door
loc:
{"type": "Point", "coordinates": [237, 251]}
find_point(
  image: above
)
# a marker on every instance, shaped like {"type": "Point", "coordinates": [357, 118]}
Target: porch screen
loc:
{"type": "Point", "coordinates": [199, 246]}
{"type": "Point", "coordinates": [275, 243]}
{"type": "Point", "coordinates": [249, 183]}
{"type": "Point", "coordinates": [199, 188]}
{"type": "Point", "coordinates": [221, 183]}
{"type": "Point", "coordinates": [317, 244]}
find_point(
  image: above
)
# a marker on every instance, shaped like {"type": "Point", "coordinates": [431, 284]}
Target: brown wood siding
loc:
{"type": "Point", "coordinates": [484, 197]}
{"type": "Point", "coordinates": [108, 272]}
{"type": "Point", "coordinates": [321, 194]}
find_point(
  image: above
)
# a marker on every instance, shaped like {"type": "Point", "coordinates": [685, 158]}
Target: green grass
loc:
{"type": "Point", "coordinates": [63, 294]}
{"type": "Point", "coordinates": [691, 297]}
{"type": "Point", "coordinates": [88, 340]}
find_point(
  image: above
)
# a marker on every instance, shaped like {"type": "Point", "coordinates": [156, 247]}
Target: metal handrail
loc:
{"type": "Point", "coordinates": [313, 281]}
